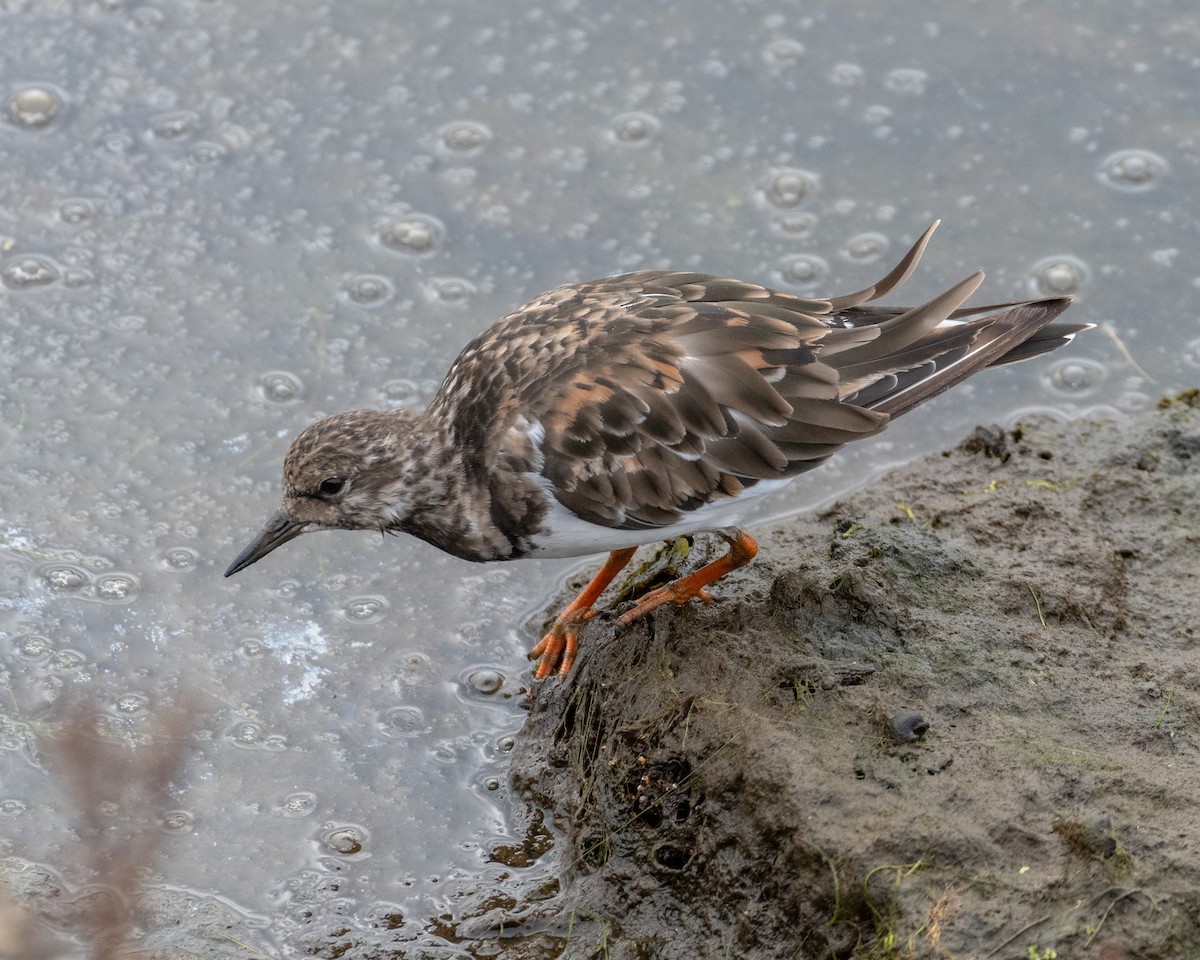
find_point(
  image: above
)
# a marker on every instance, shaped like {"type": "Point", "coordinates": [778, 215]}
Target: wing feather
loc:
{"type": "Point", "coordinates": [648, 395]}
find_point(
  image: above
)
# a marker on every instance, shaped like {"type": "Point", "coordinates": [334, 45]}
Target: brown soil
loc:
{"type": "Point", "coordinates": [954, 715]}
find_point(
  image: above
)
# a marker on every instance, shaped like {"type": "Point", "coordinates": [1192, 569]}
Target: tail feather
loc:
{"type": "Point", "coordinates": [1013, 335]}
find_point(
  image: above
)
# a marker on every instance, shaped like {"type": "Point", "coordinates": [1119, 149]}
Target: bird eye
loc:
{"type": "Point", "coordinates": [331, 485]}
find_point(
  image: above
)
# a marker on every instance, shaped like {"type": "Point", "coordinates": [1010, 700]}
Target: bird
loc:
{"type": "Point", "coordinates": [605, 415]}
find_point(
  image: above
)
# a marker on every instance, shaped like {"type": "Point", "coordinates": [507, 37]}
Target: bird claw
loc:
{"type": "Point", "coordinates": [559, 647]}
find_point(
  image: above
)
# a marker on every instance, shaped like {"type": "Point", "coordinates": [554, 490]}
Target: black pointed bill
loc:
{"type": "Point", "coordinates": [279, 530]}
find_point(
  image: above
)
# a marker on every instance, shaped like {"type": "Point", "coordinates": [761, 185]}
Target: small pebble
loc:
{"type": "Point", "coordinates": [908, 725]}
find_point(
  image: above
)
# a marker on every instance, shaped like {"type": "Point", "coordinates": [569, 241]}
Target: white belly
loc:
{"type": "Point", "coordinates": [569, 536]}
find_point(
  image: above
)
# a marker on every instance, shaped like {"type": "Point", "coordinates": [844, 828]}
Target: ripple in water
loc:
{"type": "Point", "coordinates": [1075, 377]}
{"type": "Point", "coordinates": [76, 211]}
{"type": "Point", "coordinates": [450, 290]}
{"type": "Point", "coordinates": [866, 247]}
{"type": "Point", "coordinates": [1133, 171]}
{"type": "Point", "coordinates": [178, 821]}
{"type": "Point", "coordinates": [400, 723]}
{"type": "Point", "coordinates": [803, 270]}
{"type": "Point", "coordinates": [364, 609]}
{"type": "Point", "coordinates": [27, 271]}
{"type": "Point", "coordinates": [783, 52]}
{"type": "Point", "coordinates": [345, 841]}
{"type": "Point", "coordinates": [33, 107]}
{"type": "Point", "coordinates": [414, 234]}
{"type": "Point", "coordinates": [181, 559]}
{"type": "Point", "coordinates": [367, 290]}
{"type": "Point", "coordinates": [485, 682]}
{"type": "Point", "coordinates": [172, 126]}
{"type": "Point", "coordinates": [634, 129]}
{"type": "Point", "coordinates": [300, 804]}
{"type": "Point", "coordinates": [63, 576]}
{"type": "Point", "coordinates": [117, 588]}
{"type": "Point", "coordinates": [464, 137]}
{"type": "Point", "coordinates": [280, 387]}
{"type": "Point", "coordinates": [907, 81]}
{"type": "Point", "coordinates": [1059, 276]}
{"type": "Point", "coordinates": [786, 188]}
{"type": "Point", "coordinates": [132, 704]}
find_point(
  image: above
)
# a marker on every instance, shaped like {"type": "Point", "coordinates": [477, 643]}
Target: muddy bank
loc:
{"type": "Point", "coordinates": [953, 715]}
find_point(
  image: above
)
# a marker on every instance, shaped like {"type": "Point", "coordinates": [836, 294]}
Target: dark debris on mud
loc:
{"type": "Point", "coordinates": [953, 715]}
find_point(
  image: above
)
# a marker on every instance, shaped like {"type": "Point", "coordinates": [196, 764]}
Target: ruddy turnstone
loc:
{"type": "Point", "coordinates": [618, 412]}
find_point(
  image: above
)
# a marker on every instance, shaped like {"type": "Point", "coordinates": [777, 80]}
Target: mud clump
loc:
{"type": "Point", "coordinates": [954, 715]}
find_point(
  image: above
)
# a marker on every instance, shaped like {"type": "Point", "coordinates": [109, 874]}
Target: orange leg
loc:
{"type": "Point", "coordinates": [558, 647]}
{"type": "Point", "coordinates": [742, 549]}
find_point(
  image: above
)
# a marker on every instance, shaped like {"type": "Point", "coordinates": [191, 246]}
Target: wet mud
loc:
{"type": "Point", "coordinates": [952, 715]}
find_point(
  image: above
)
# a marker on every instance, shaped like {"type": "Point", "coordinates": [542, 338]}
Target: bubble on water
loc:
{"type": "Point", "coordinates": [280, 387]}
{"type": "Point", "coordinates": [67, 661]}
{"type": "Point", "coordinates": [866, 247]}
{"type": "Point", "coordinates": [634, 128]}
{"type": "Point", "coordinates": [798, 224]}
{"type": "Point", "coordinates": [76, 277]}
{"type": "Point", "coordinates": [486, 682]}
{"type": "Point", "coordinates": [414, 234]}
{"type": "Point", "coordinates": [252, 647]}
{"type": "Point", "coordinates": [399, 392]}
{"type": "Point", "coordinates": [1134, 401]}
{"type": "Point", "coordinates": [172, 126]}
{"type": "Point", "coordinates": [464, 137]}
{"type": "Point", "coordinates": [76, 211]}
{"type": "Point", "coordinates": [180, 559]}
{"type": "Point", "coordinates": [1133, 171]}
{"type": "Point", "coordinates": [788, 187]}
{"type": "Point", "coordinates": [400, 723]}
{"type": "Point", "coordinates": [847, 75]}
{"type": "Point", "coordinates": [1074, 377]}
{"type": "Point", "coordinates": [63, 576]}
{"type": "Point", "coordinates": [132, 704]}
{"type": "Point", "coordinates": [367, 290]}
{"type": "Point", "coordinates": [803, 270]}
{"type": "Point", "coordinates": [206, 152]}
{"type": "Point", "coordinates": [12, 807]}
{"type": "Point", "coordinates": [177, 821]}
{"type": "Point", "coordinates": [26, 271]}
{"type": "Point", "coordinates": [364, 609]}
{"type": "Point", "coordinates": [301, 804]}
{"type": "Point", "coordinates": [450, 290]}
{"type": "Point", "coordinates": [32, 646]}
{"type": "Point", "coordinates": [33, 107]}
{"type": "Point", "coordinates": [1059, 276]}
{"type": "Point", "coordinates": [146, 18]}
{"type": "Point", "coordinates": [128, 323]}
{"type": "Point", "coordinates": [345, 841]}
{"type": "Point", "coordinates": [117, 143]}
{"type": "Point", "coordinates": [117, 587]}
{"type": "Point", "coordinates": [247, 734]}
{"type": "Point", "coordinates": [906, 80]}
{"type": "Point", "coordinates": [783, 52]}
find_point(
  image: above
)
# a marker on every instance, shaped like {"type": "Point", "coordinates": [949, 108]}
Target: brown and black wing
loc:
{"type": "Point", "coordinates": [646, 396]}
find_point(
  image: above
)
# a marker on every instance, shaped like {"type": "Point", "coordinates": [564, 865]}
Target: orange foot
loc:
{"type": "Point", "coordinates": [560, 645]}
{"type": "Point", "coordinates": [742, 549]}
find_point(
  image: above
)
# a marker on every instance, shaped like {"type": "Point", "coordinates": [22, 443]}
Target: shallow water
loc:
{"type": "Point", "coordinates": [218, 224]}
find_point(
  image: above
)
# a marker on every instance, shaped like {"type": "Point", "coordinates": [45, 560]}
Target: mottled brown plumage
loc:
{"type": "Point", "coordinates": [603, 415]}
